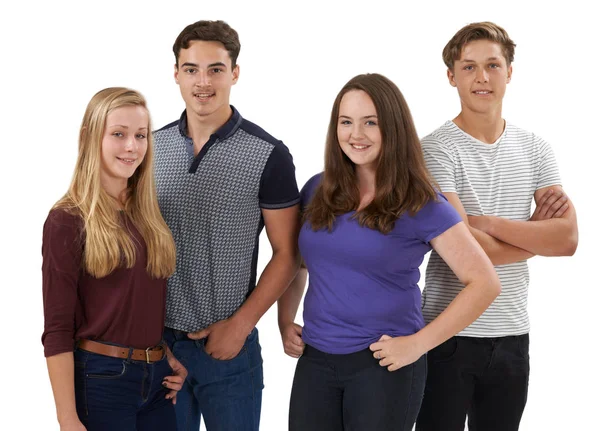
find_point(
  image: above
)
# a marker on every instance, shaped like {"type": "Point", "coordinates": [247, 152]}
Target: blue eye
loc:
{"type": "Point", "coordinates": [141, 136]}
{"type": "Point", "coordinates": [468, 68]}
{"type": "Point", "coordinates": [371, 123]}
{"type": "Point", "coordinates": [345, 122]}
{"type": "Point", "coordinates": [118, 134]}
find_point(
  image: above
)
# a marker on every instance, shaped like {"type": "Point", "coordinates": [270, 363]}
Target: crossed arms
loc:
{"type": "Point", "coordinates": [551, 230]}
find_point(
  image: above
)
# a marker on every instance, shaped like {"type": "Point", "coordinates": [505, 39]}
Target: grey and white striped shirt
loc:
{"type": "Point", "coordinates": [497, 179]}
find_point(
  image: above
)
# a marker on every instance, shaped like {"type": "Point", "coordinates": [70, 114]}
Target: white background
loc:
{"type": "Point", "coordinates": [295, 57]}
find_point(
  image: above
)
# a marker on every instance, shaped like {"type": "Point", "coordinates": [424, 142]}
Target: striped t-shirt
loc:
{"type": "Point", "coordinates": [496, 179]}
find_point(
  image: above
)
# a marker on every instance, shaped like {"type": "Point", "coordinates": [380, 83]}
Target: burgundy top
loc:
{"type": "Point", "coordinates": [126, 307]}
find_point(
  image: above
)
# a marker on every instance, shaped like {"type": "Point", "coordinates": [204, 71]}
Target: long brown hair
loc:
{"type": "Point", "coordinates": [107, 244]}
{"type": "Point", "coordinates": [402, 180]}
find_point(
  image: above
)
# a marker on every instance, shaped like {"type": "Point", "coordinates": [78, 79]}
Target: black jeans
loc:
{"type": "Point", "coordinates": [484, 378]}
{"type": "Point", "coordinates": [354, 393]}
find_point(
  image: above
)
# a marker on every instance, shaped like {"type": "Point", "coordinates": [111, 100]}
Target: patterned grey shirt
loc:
{"type": "Point", "coordinates": [212, 203]}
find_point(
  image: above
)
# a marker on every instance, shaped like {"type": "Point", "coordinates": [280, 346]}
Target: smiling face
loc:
{"type": "Point", "coordinates": [358, 130]}
{"type": "Point", "coordinates": [480, 76]}
{"type": "Point", "coordinates": [205, 76]}
{"type": "Point", "coordinates": [124, 145]}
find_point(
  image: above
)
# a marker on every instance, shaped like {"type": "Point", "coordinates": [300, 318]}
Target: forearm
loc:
{"type": "Point", "coordinates": [288, 303]}
{"type": "Point", "coordinates": [499, 252]}
{"type": "Point", "coordinates": [62, 378]}
{"type": "Point", "coordinates": [468, 305]}
{"type": "Point", "coordinates": [554, 237]}
{"type": "Point", "coordinates": [274, 280]}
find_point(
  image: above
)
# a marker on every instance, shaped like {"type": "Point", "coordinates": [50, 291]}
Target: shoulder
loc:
{"type": "Point", "coordinates": [257, 131]}
{"type": "Point", "coordinates": [166, 131]}
{"type": "Point", "coordinates": [309, 189]}
{"type": "Point", "coordinates": [63, 226]}
{"type": "Point", "coordinates": [64, 217]}
{"type": "Point", "coordinates": [445, 137]}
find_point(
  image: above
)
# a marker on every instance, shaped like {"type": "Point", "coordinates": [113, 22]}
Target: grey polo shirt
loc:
{"type": "Point", "coordinates": [212, 203]}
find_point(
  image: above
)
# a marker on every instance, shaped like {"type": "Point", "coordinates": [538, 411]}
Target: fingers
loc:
{"type": "Point", "coordinates": [385, 337]}
{"type": "Point", "coordinates": [198, 335]}
{"type": "Point", "coordinates": [548, 208]}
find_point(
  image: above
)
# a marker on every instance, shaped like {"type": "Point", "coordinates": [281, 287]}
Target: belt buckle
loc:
{"type": "Point", "coordinates": [148, 355]}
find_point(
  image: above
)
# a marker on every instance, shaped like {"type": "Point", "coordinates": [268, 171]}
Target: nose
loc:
{"type": "Point", "coordinates": [482, 75]}
{"type": "Point", "coordinates": [131, 143]}
{"type": "Point", "coordinates": [357, 131]}
{"type": "Point", "coordinates": [202, 79]}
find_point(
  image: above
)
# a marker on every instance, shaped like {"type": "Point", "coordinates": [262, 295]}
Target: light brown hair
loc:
{"type": "Point", "coordinates": [402, 180]}
{"type": "Point", "coordinates": [478, 31]}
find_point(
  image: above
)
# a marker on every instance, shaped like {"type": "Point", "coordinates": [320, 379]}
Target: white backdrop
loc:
{"type": "Point", "coordinates": [295, 57]}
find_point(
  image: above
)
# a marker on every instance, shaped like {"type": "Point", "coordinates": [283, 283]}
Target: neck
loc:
{"type": "Point", "coordinates": [200, 127]}
{"type": "Point", "coordinates": [115, 189]}
{"type": "Point", "coordinates": [366, 184]}
{"type": "Point", "coordinates": [486, 127]}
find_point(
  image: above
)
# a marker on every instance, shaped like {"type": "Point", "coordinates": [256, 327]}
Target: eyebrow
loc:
{"type": "Point", "coordinates": [209, 66]}
{"type": "Point", "coordinates": [473, 61]}
{"type": "Point", "coordinates": [125, 127]}
{"type": "Point", "coordinates": [365, 117]}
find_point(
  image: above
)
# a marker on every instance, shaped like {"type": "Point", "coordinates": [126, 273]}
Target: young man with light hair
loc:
{"type": "Point", "coordinates": [490, 170]}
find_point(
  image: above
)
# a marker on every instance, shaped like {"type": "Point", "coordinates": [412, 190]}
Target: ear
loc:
{"type": "Point", "coordinates": [236, 73]}
{"type": "Point", "coordinates": [451, 78]}
{"type": "Point", "coordinates": [509, 74]}
{"type": "Point", "coordinates": [176, 74]}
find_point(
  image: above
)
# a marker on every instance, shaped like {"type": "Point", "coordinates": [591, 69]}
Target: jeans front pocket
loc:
{"type": "Point", "coordinates": [104, 367]}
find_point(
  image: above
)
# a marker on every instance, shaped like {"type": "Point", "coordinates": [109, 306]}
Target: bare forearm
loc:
{"type": "Point", "coordinates": [554, 237]}
{"type": "Point", "coordinates": [62, 378]}
{"type": "Point", "coordinates": [274, 280]}
{"type": "Point", "coordinates": [288, 303]}
{"type": "Point", "coordinates": [499, 252]}
{"type": "Point", "coordinates": [468, 305]}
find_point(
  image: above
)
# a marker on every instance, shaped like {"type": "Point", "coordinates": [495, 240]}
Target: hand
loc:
{"type": "Point", "coordinates": [552, 204]}
{"type": "Point", "coordinates": [481, 222]}
{"type": "Point", "coordinates": [395, 353]}
{"type": "Point", "coordinates": [175, 381]}
{"type": "Point", "coordinates": [291, 336]}
{"type": "Point", "coordinates": [73, 424]}
{"type": "Point", "coordinates": [224, 339]}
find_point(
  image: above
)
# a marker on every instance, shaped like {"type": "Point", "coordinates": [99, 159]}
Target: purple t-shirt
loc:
{"type": "Point", "coordinates": [362, 283]}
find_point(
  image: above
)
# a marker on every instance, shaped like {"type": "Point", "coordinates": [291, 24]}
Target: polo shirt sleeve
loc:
{"type": "Point", "coordinates": [435, 218]}
{"type": "Point", "coordinates": [278, 188]}
{"type": "Point", "coordinates": [548, 174]}
{"type": "Point", "coordinates": [440, 163]}
{"type": "Point", "coordinates": [62, 251]}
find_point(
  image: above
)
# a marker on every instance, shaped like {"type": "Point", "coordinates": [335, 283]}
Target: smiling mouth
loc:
{"type": "Point", "coordinates": [203, 96]}
{"type": "Point", "coordinates": [126, 161]}
{"type": "Point", "coordinates": [482, 92]}
{"type": "Point", "coordinates": [359, 147]}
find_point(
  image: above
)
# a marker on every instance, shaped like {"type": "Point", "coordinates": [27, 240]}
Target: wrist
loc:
{"type": "Point", "coordinates": [244, 322]}
{"type": "Point", "coordinates": [67, 418]}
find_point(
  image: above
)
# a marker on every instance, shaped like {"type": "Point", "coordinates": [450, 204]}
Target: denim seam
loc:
{"type": "Point", "coordinates": [251, 369]}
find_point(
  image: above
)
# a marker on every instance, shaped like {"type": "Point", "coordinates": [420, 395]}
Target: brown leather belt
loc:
{"type": "Point", "coordinates": [149, 355]}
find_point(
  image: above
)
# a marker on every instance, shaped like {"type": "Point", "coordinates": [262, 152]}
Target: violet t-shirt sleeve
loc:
{"type": "Point", "coordinates": [435, 218]}
{"type": "Point", "coordinates": [62, 250]}
{"type": "Point", "coordinates": [308, 190]}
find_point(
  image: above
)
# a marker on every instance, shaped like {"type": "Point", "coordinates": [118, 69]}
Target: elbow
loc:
{"type": "Point", "coordinates": [568, 247]}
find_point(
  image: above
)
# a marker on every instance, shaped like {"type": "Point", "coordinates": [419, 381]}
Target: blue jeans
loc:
{"type": "Point", "coordinates": [115, 394]}
{"type": "Point", "coordinates": [227, 394]}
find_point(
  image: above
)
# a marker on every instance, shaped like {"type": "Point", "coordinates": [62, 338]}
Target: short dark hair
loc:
{"type": "Point", "coordinates": [478, 31]}
{"type": "Point", "coordinates": [217, 31]}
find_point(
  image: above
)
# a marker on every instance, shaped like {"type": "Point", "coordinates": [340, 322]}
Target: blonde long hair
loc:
{"type": "Point", "coordinates": [108, 245]}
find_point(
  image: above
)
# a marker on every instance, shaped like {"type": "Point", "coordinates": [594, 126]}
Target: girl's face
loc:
{"type": "Point", "coordinates": [358, 130]}
{"type": "Point", "coordinates": [124, 146]}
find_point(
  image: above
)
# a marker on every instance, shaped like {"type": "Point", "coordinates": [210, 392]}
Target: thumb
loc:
{"type": "Point", "coordinates": [298, 329]}
{"type": "Point", "coordinates": [385, 337]}
{"type": "Point", "coordinates": [203, 333]}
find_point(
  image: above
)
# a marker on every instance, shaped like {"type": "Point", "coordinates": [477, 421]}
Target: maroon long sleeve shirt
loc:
{"type": "Point", "coordinates": [126, 307]}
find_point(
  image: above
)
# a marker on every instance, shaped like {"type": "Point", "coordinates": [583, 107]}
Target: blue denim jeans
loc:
{"type": "Point", "coordinates": [227, 394]}
{"type": "Point", "coordinates": [115, 394]}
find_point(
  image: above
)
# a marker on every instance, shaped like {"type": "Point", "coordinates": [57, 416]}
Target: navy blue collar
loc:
{"type": "Point", "coordinates": [224, 132]}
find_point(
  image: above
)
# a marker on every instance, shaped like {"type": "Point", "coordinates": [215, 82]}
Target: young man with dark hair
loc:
{"type": "Point", "coordinates": [490, 170]}
{"type": "Point", "coordinates": [220, 180]}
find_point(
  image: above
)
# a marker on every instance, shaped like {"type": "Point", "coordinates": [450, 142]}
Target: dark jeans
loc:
{"type": "Point", "coordinates": [115, 394]}
{"type": "Point", "coordinates": [354, 393]}
{"type": "Point", "coordinates": [484, 378]}
{"type": "Point", "coordinates": [228, 394]}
